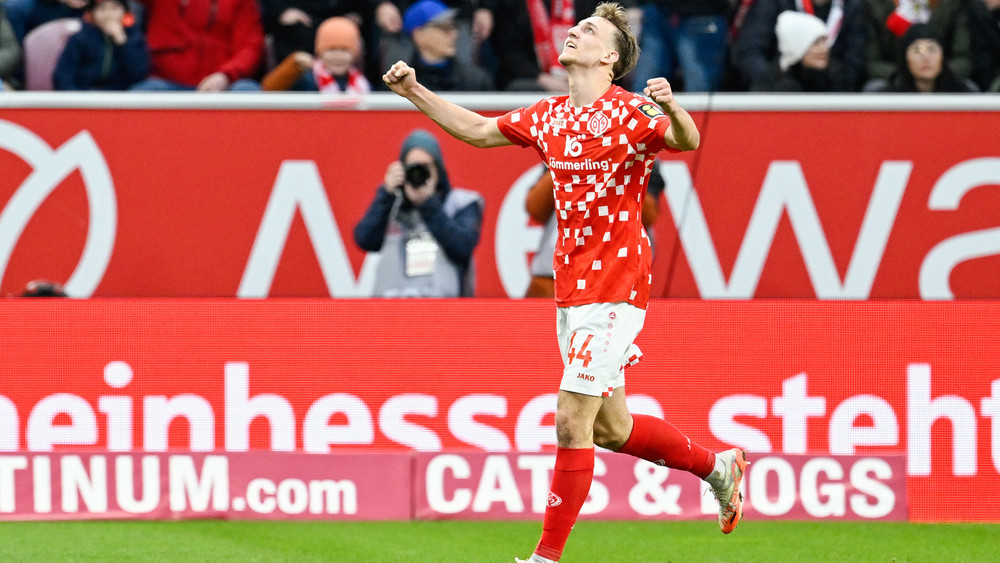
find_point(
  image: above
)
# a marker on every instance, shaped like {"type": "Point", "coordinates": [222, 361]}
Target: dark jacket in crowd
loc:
{"type": "Point", "coordinates": [10, 50]}
{"type": "Point", "coordinates": [949, 19]}
{"type": "Point", "coordinates": [985, 46]}
{"type": "Point", "coordinates": [465, 7]}
{"type": "Point", "coordinates": [690, 8]}
{"type": "Point", "coordinates": [800, 78]}
{"type": "Point", "coordinates": [902, 81]}
{"type": "Point", "coordinates": [286, 39]}
{"type": "Point", "coordinates": [91, 61]}
{"type": "Point", "coordinates": [756, 48]}
{"type": "Point", "coordinates": [455, 75]}
{"type": "Point", "coordinates": [29, 15]}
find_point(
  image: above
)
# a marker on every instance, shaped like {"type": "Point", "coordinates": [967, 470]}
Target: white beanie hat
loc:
{"type": "Point", "coordinates": [796, 32]}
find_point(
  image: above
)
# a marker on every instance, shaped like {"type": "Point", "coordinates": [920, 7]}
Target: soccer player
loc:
{"type": "Point", "coordinates": [600, 143]}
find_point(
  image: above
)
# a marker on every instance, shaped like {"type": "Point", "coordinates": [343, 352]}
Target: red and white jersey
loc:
{"type": "Point", "coordinates": [600, 157]}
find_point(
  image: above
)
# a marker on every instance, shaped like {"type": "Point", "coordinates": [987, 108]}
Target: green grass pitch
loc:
{"type": "Point", "coordinates": [418, 542]}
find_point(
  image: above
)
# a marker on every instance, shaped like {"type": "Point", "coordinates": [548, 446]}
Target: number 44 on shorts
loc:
{"type": "Point", "coordinates": [583, 354]}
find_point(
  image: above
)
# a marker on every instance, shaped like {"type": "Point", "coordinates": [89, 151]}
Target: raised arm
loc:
{"type": "Point", "coordinates": [683, 133]}
{"type": "Point", "coordinates": [463, 124]}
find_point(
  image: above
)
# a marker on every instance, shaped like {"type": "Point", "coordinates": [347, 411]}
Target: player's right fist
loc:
{"type": "Point", "coordinates": [400, 78]}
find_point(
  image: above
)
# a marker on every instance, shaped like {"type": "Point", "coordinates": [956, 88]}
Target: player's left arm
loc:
{"type": "Point", "coordinates": [683, 133]}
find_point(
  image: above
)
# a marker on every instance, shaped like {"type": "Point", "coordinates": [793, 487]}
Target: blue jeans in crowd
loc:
{"type": "Point", "coordinates": [154, 84]}
{"type": "Point", "coordinates": [696, 45]}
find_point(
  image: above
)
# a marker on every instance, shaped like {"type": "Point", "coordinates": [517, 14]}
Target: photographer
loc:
{"type": "Point", "coordinates": [425, 229]}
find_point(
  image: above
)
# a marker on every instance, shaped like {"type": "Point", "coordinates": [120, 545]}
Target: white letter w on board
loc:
{"type": "Point", "coordinates": [785, 191]}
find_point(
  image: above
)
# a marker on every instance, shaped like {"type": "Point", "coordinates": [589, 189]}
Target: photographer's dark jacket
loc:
{"type": "Point", "coordinates": [451, 219]}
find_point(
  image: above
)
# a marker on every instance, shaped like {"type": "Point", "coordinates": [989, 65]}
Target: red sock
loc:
{"type": "Point", "coordinates": [660, 442]}
{"type": "Point", "coordinates": [570, 487]}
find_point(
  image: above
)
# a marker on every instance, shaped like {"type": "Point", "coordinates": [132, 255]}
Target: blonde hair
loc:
{"type": "Point", "coordinates": [625, 42]}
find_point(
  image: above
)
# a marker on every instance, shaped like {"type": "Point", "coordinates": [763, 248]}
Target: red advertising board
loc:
{"type": "Point", "coordinates": [796, 377]}
{"type": "Point", "coordinates": [251, 202]}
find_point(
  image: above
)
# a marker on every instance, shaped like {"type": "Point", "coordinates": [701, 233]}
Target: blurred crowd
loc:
{"type": "Point", "coordinates": [344, 46]}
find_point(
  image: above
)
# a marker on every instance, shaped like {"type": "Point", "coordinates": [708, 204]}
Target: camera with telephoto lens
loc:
{"type": "Point", "coordinates": [416, 174]}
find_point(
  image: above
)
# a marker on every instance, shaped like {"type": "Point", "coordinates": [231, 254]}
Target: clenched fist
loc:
{"type": "Point", "coordinates": [400, 78]}
{"type": "Point", "coordinates": [659, 90]}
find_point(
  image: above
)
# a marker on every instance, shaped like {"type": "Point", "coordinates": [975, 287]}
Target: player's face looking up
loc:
{"type": "Point", "coordinates": [588, 42]}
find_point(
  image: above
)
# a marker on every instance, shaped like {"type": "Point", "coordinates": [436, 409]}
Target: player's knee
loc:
{"type": "Point", "coordinates": [572, 431]}
{"type": "Point", "coordinates": [609, 436]}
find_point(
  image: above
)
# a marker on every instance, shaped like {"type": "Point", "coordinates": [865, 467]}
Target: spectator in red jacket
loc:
{"type": "Point", "coordinates": [204, 45]}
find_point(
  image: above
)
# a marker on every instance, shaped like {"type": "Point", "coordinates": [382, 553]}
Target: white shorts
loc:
{"type": "Point", "coordinates": [596, 342]}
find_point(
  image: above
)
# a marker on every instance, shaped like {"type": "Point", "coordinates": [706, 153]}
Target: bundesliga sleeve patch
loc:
{"type": "Point", "coordinates": [651, 110]}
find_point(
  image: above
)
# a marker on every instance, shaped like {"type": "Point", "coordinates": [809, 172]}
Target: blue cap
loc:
{"type": "Point", "coordinates": [425, 12]}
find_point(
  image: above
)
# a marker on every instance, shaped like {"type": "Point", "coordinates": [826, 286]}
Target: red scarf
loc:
{"type": "Point", "coordinates": [356, 81]}
{"type": "Point", "coordinates": [550, 30]}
